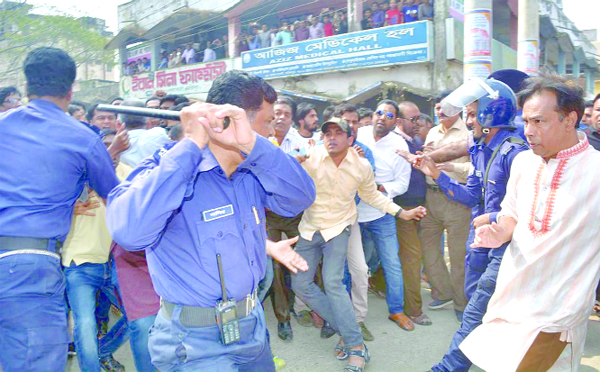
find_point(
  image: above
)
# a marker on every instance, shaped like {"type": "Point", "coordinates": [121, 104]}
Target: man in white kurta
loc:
{"type": "Point", "coordinates": [548, 275]}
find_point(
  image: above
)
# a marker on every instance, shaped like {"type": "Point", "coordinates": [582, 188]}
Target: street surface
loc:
{"type": "Point", "coordinates": [393, 349]}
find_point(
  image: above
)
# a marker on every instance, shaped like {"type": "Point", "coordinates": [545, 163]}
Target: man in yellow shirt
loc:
{"type": "Point", "coordinates": [338, 172]}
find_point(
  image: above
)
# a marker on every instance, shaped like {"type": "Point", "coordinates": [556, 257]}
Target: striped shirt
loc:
{"type": "Point", "coordinates": [549, 273]}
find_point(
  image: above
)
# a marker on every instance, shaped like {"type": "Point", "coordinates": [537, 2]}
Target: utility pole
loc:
{"type": "Point", "coordinates": [528, 48]}
{"type": "Point", "coordinates": [355, 15]}
{"type": "Point", "coordinates": [478, 39]}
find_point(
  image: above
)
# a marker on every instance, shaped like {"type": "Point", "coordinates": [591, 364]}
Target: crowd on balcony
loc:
{"type": "Point", "coordinates": [394, 12]}
{"type": "Point", "coordinates": [213, 50]}
{"type": "Point", "coordinates": [331, 22]}
{"type": "Point", "coordinates": [328, 22]}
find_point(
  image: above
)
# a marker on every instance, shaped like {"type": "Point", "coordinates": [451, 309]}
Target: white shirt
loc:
{"type": "Point", "coordinates": [311, 141]}
{"type": "Point", "coordinates": [188, 55]}
{"type": "Point", "coordinates": [292, 141]}
{"type": "Point", "coordinates": [143, 143]}
{"type": "Point", "coordinates": [391, 170]}
{"type": "Point", "coordinates": [209, 55]}
{"type": "Point", "coordinates": [549, 272]}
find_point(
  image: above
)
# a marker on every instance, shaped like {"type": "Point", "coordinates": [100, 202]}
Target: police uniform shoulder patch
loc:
{"type": "Point", "coordinates": [512, 143]}
{"type": "Point", "coordinates": [506, 148]}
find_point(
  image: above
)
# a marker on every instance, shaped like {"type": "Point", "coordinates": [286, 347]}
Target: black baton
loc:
{"type": "Point", "coordinates": [152, 113]}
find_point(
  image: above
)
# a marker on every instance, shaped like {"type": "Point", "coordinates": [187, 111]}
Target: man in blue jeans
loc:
{"type": "Point", "coordinates": [392, 176]}
{"type": "Point", "coordinates": [339, 173]}
{"type": "Point", "coordinates": [491, 108]}
{"type": "Point", "coordinates": [85, 257]}
{"type": "Point", "coordinates": [50, 158]}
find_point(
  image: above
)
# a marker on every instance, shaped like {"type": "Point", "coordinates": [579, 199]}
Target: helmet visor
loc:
{"type": "Point", "coordinates": [464, 95]}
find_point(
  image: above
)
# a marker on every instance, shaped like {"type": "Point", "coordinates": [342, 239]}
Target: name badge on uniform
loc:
{"type": "Point", "coordinates": [215, 214]}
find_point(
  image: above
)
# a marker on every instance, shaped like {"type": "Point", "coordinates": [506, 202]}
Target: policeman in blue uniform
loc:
{"type": "Point", "coordinates": [46, 159]}
{"type": "Point", "coordinates": [491, 108]}
{"type": "Point", "coordinates": [206, 196]}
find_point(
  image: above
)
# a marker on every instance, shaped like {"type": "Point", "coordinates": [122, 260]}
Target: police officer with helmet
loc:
{"type": "Point", "coordinates": [491, 108]}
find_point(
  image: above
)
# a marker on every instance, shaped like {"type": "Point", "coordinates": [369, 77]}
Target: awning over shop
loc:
{"type": "Point", "coordinates": [365, 93]}
{"type": "Point", "coordinates": [184, 20]}
{"type": "Point", "coordinates": [128, 35]}
{"type": "Point", "coordinates": [305, 96]}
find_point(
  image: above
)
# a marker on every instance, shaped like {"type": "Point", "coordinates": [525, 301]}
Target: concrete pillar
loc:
{"type": "Point", "coordinates": [122, 58]}
{"type": "Point", "coordinates": [528, 50]}
{"type": "Point", "coordinates": [355, 15]}
{"type": "Point", "coordinates": [234, 27]}
{"type": "Point", "coordinates": [562, 65]}
{"type": "Point", "coordinates": [441, 11]}
{"type": "Point", "coordinates": [154, 55]}
{"type": "Point", "coordinates": [576, 67]}
{"type": "Point", "coordinates": [478, 39]}
{"type": "Point", "coordinates": [589, 80]}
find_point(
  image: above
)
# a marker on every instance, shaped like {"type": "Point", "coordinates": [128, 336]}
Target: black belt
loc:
{"type": "Point", "coordinates": [195, 316]}
{"type": "Point", "coordinates": [434, 188]}
{"type": "Point", "coordinates": [11, 243]}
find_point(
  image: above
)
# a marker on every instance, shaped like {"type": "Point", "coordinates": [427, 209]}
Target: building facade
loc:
{"type": "Point", "coordinates": [415, 60]}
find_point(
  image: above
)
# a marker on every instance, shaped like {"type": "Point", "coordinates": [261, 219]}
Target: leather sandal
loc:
{"type": "Point", "coordinates": [402, 321]}
{"type": "Point", "coordinates": [421, 319]}
{"type": "Point", "coordinates": [340, 352]}
{"type": "Point", "coordinates": [364, 353]}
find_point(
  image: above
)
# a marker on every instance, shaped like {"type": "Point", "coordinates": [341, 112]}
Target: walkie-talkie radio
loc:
{"type": "Point", "coordinates": [226, 313]}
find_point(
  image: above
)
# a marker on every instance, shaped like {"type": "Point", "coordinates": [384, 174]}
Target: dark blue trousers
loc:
{"type": "Point", "coordinates": [33, 314]}
{"type": "Point", "coordinates": [481, 272]}
{"type": "Point", "coordinates": [176, 347]}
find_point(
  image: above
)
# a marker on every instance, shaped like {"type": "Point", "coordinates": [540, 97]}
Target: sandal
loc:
{"type": "Point", "coordinates": [364, 353]}
{"type": "Point", "coordinates": [402, 321]}
{"type": "Point", "coordinates": [340, 352]}
{"type": "Point", "coordinates": [421, 319]}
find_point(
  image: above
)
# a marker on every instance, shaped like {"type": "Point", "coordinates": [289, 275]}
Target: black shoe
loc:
{"type": "Point", "coordinates": [284, 331]}
{"type": "Point", "coordinates": [327, 331]}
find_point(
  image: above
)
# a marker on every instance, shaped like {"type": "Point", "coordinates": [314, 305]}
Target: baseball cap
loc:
{"type": "Point", "coordinates": [343, 124]}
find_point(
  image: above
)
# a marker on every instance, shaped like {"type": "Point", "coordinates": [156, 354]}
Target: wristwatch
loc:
{"type": "Point", "coordinates": [397, 215]}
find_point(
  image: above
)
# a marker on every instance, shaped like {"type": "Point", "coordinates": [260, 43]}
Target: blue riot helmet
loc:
{"type": "Point", "coordinates": [497, 106]}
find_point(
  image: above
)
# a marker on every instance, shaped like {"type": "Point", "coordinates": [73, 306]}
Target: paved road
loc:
{"type": "Point", "coordinates": [393, 349]}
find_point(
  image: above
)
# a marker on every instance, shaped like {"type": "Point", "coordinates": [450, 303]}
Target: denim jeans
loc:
{"type": "Point", "coordinates": [383, 233]}
{"type": "Point", "coordinates": [334, 306]}
{"type": "Point", "coordinates": [139, 331]}
{"type": "Point", "coordinates": [176, 347]}
{"type": "Point", "coordinates": [83, 282]}
{"type": "Point", "coordinates": [482, 268]}
{"type": "Point", "coordinates": [33, 317]}
{"type": "Point", "coordinates": [370, 251]}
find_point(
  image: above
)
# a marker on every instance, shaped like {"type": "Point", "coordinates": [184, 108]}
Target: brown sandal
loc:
{"type": "Point", "coordinates": [402, 321]}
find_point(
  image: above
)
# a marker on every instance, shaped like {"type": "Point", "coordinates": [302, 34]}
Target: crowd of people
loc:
{"type": "Point", "coordinates": [328, 22]}
{"type": "Point", "coordinates": [217, 49]}
{"type": "Point", "coordinates": [174, 223]}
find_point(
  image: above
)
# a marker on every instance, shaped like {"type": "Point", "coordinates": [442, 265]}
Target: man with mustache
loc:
{"type": "Point", "coordinates": [392, 176]}
{"type": "Point", "coordinates": [549, 271]}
